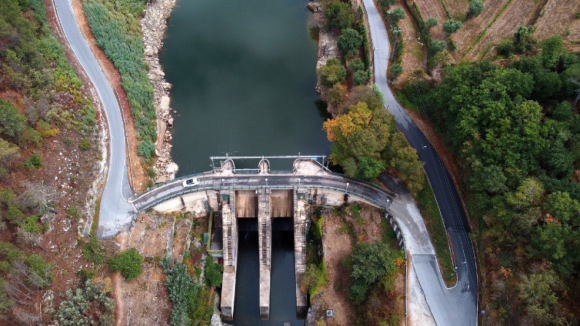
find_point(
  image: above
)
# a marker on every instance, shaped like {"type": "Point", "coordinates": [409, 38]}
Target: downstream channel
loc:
{"type": "Point", "coordinates": [243, 76]}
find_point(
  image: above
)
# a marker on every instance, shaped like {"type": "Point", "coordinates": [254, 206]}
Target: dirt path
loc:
{"type": "Point", "coordinates": [120, 304]}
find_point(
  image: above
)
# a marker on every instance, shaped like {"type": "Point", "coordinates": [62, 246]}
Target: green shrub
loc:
{"type": "Point", "coordinates": [336, 94]}
{"type": "Point", "coordinates": [578, 15]}
{"type": "Point", "coordinates": [213, 272]}
{"type": "Point", "coordinates": [29, 225]}
{"type": "Point", "coordinates": [349, 40]}
{"type": "Point", "coordinates": [525, 42]}
{"type": "Point", "coordinates": [129, 262]}
{"type": "Point", "coordinates": [505, 47]}
{"type": "Point", "coordinates": [331, 73]}
{"type": "Point", "coordinates": [86, 274]}
{"type": "Point", "coordinates": [68, 142]}
{"type": "Point", "coordinates": [340, 15]}
{"type": "Point", "coordinates": [451, 26]}
{"type": "Point", "coordinates": [34, 161]}
{"type": "Point", "coordinates": [32, 137]}
{"type": "Point", "coordinates": [84, 145]}
{"type": "Point", "coordinates": [398, 14]}
{"type": "Point", "coordinates": [92, 251]}
{"type": "Point", "coordinates": [14, 215]}
{"type": "Point", "coordinates": [475, 8]}
{"type": "Point", "coordinates": [314, 278]}
{"type": "Point", "coordinates": [396, 71]}
{"type": "Point", "coordinates": [72, 212]}
{"type": "Point", "coordinates": [75, 309]}
{"type": "Point", "coordinates": [361, 77]}
{"type": "Point", "coordinates": [437, 46]}
{"type": "Point", "coordinates": [146, 149]}
{"type": "Point", "coordinates": [356, 65]}
{"type": "Point", "coordinates": [431, 22]}
{"type": "Point", "coordinates": [152, 172]}
{"type": "Point", "coordinates": [452, 45]}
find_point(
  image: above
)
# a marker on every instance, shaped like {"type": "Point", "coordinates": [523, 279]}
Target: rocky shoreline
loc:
{"type": "Point", "coordinates": [153, 26]}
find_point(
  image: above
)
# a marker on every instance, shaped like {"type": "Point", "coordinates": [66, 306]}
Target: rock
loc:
{"type": "Point", "coordinates": [171, 168]}
{"type": "Point", "coordinates": [170, 122]}
{"type": "Point", "coordinates": [314, 7]}
{"type": "Point", "coordinates": [47, 299]}
{"type": "Point", "coordinates": [311, 315]}
{"type": "Point", "coordinates": [149, 51]}
{"type": "Point", "coordinates": [196, 243]}
{"type": "Point", "coordinates": [164, 103]}
{"type": "Point", "coordinates": [162, 179]}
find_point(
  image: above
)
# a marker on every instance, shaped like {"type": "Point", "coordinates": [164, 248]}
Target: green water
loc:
{"type": "Point", "coordinates": [243, 75]}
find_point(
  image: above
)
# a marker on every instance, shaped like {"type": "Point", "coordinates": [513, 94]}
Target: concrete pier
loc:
{"type": "Point", "coordinates": [265, 244]}
{"type": "Point", "coordinates": [230, 253]}
{"type": "Point", "coordinates": [300, 222]}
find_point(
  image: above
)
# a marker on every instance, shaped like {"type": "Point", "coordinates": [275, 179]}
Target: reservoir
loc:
{"type": "Point", "coordinates": [243, 76]}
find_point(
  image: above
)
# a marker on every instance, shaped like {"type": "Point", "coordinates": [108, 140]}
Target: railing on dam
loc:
{"type": "Point", "coordinates": [216, 187]}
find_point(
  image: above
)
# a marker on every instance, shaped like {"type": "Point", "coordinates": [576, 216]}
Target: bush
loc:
{"type": "Point", "coordinates": [336, 94]}
{"type": "Point", "coordinates": [314, 278]}
{"type": "Point", "coordinates": [431, 22]}
{"type": "Point", "coordinates": [151, 172]}
{"type": "Point", "coordinates": [92, 251]}
{"type": "Point", "coordinates": [437, 46]}
{"type": "Point", "coordinates": [85, 145]}
{"type": "Point", "coordinates": [505, 47]}
{"type": "Point", "coordinates": [34, 161]}
{"type": "Point", "coordinates": [475, 8]}
{"type": "Point", "coordinates": [340, 15]}
{"type": "Point", "coordinates": [398, 14]}
{"type": "Point", "coordinates": [349, 40]}
{"type": "Point", "coordinates": [29, 225]}
{"type": "Point", "coordinates": [331, 73]}
{"type": "Point", "coordinates": [356, 65]}
{"type": "Point", "coordinates": [213, 272]}
{"type": "Point", "coordinates": [451, 26]}
{"type": "Point", "coordinates": [396, 71]}
{"type": "Point", "coordinates": [14, 215]}
{"type": "Point", "coordinates": [86, 274]}
{"type": "Point", "coordinates": [146, 149]}
{"type": "Point", "coordinates": [361, 77]}
{"type": "Point", "coordinates": [578, 15]}
{"type": "Point", "coordinates": [31, 137]}
{"type": "Point", "coordinates": [452, 45]}
{"type": "Point", "coordinates": [129, 262]}
{"type": "Point", "coordinates": [75, 309]}
{"type": "Point", "coordinates": [525, 42]}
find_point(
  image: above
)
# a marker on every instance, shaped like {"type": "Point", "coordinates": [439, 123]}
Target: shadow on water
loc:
{"type": "Point", "coordinates": [282, 291]}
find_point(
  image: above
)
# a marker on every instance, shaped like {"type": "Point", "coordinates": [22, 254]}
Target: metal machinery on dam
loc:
{"type": "Point", "coordinates": [265, 196]}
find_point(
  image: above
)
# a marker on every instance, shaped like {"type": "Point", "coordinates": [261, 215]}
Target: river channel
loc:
{"type": "Point", "coordinates": [243, 76]}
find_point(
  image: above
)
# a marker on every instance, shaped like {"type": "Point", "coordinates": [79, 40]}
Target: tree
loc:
{"type": "Point", "coordinates": [336, 94]}
{"type": "Point", "coordinates": [331, 73]}
{"type": "Point", "coordinates": [437, 46]}
{"type": "Point", "coordinates": [552, 49]}
{"type": "Point", "coordinates": [357, 65]}
{"type": "Point", "coordinates": [396, 71]}
{"type": "Point", "coordinates": [489, 178]}
{"type": "Point", "coordinates": [369, 263]}
{"type": "Point", "coordinates": [537, 291]}
{"type": "Point", "coordinates": [565, 209]}
{"type": "Point", "coordinates": [431, 22]}
{"type": "Point", "coordinates": [528, 194]}
{"type": "Point", "coordinates": [12, 123]}
{"type": "Point", "coordinates": [386, 4]}
{"type": "Point", "coordinates": [349, 40]}
{"type": "Point", "coordinates": [505, 47]}
{"type": "Point", "coordinates": [129, 262]}
{"type": "Point", "coordinates": [524, 40]}
{"type": "Point", "coordinates": [361, 77]}
{"type": "Point", "coordinates": [370, 168]}
{"type": "Point", "coordinates": [398, 14]}
{"type": "Point", "coordinates": [475, 8]}
{"type": "Point", "coordinates": [340, 15]}
{"type": "Point", "coordinates": [146, 149]}
{"type": "Point", "coordinates": [39, 195]}
{"type": "Point", "coordinates": [451, 26]}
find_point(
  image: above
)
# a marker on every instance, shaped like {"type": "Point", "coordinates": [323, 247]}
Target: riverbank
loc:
{"type": "Point", "coordinates": [153, 26]}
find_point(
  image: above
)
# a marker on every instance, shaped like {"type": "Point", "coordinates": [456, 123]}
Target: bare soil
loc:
{"type": "Point", "coordinates": [337, 244]}
{"type": "Point", "coordinates": [518, 13]}
{"type": "Point", "coordinates": [558, 18]}
{"type": "Point", "coordinates": [457, 8]}
{"type": "Point", "coordinates": [434, 8]}
{"type": "Point", "coordinates": [137, 175]}
{"type": "Point", "coordinates": [413, 55]}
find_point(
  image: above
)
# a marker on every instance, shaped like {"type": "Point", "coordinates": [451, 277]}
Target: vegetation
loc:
{"type": "Point", "coordinates": [129, 262]}
{"type": "Point", "coordinates": [361, 77]}
{"type": "Point", "coordinates": [365, 141]}
{"type": "Point", "coordinates": [87, 306]}
{"type": "Point", "coordinates": [398, 14]}
{"type": "Point", "coordinates": [451, 26]}
{"type": "Point", "coordinates": [505, 47]}
{"type": "Point", "coordinates": [92, 251]}
{"type": "Point", "coordinates": [115, 25]}
{"type": "Point", "coordinates": [331, 73]}
{"type": "Point", "coordinates": [356, 65]}
{"type": "Point", "coordinates": [396, 71]}
{"type": "Point", "coordinates": [314, 278]}
{"type": "Point", "coordinates": [336, 94]}
{"type": "Point", "coordinates": [525, 42]}
{"type": "Point", "coordinates": [475, 8]}
{"type": "Point", "coordinates": [349, 41]}
{"type": "Point", "coordinates": [518, 135]}
{"type": "Point", "coordinates": [339, 14]}
{"type": "Point", "coordinates": [191, 302]}
{"type": "Point", "coordinates": [213, 272]}
{"type": "Point", "coordinates": [431, 22]}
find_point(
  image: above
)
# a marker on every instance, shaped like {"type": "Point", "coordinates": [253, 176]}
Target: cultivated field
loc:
{"type": "Point", "coordinates": [457, 8]}
{"type": "Point", "coordinates": [517, 13]}
{"type": "Point", "coordinates": [433, 8]}
{"type": "Point", "coordinates": [413, 55]}
{"type": "Point", "coordinates": [559, 18]}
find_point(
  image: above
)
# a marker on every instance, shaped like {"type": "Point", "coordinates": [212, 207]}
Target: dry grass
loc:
{"type": "Point", "coordinates": [413, 54]}
{"type": "Point", "coordinates": [564, 13]}
{"type": "Point", "coordinates": [517, 13]}
{"type": "Point", "coordinates": [433, 8]}
{"type": "Point", "coordinates": [457, 8]}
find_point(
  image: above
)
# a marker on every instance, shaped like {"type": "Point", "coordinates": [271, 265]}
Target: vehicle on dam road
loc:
{"type": "Point", "coordinates": [190, 182]}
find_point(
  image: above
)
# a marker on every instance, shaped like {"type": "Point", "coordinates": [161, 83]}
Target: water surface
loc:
{"type": "Point", "coordinates": [243, 75]}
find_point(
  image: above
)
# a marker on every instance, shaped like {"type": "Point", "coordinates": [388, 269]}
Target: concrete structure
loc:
{"type": "Point", "coordinates": [230, 254]}
{"type": "Point", "coordinates": [265, 244]}
{"type": "Point", "coordinates": [300, 227]}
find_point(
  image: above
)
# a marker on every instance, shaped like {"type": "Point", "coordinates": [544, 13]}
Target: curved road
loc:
{"type": "Point", "coordinates": [458, 305]}
{"type": "Point", "coordinates": [455, 306]}
{"type": "Point", "coordinates": [115, 212]}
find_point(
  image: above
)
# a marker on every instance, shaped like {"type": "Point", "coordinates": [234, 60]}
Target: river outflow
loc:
{"type": "Point", "coordinates": [243, 75]}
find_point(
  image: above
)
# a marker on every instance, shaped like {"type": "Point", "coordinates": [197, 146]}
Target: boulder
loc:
{"type": "Point", "coordinates": [171, 168]}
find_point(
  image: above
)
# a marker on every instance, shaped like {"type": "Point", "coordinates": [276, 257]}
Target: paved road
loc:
{"type": "Point", "coordinates": [115, 212]}
{"type": "Point", "coordinates": [377, 196]}
{"type": "Point", "coordinates": [458, 305]}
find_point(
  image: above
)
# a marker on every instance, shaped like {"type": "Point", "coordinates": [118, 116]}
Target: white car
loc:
{"type": "Point", "coordinates": [190, 182]}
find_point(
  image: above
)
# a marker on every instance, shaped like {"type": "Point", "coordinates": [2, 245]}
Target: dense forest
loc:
{"type": "Point", "coordinates": [516, 133]}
